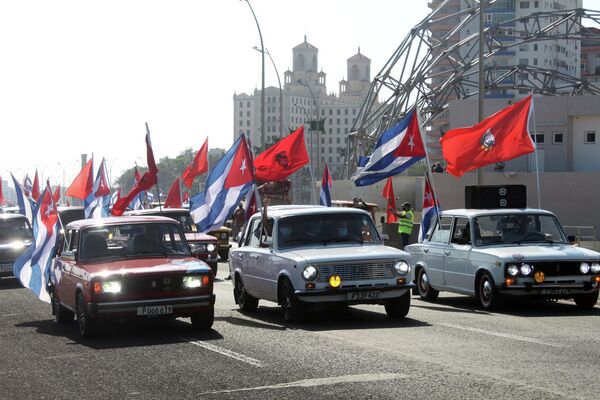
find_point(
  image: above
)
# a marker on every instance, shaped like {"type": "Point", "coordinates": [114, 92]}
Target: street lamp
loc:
{"type": "Point", "coordinates": [300, 81]}
{"type": "Point", "coordinates": [262, 92]}
{"type": "Point", "coordinates": [280, 90]}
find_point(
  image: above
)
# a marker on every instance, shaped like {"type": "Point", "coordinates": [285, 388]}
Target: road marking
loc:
{"type": "Point", "coordinates": [504, 335]}
{"type": "Point", "coordinates": [334, 380]}
{"type": "Point", "coordinates": [8, 315]}
{"type": "Point", "coordinates": [226, 352]}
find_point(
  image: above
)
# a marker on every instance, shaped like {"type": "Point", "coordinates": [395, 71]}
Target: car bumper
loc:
{"type": "Point", "coordinates": [549, 290]}
{"type": "Point", "coordinates": [6, 270]}
{"type": "Point", "coordinates": [181, 306]}
{"type": "Point", "coordinates": [344, 294]}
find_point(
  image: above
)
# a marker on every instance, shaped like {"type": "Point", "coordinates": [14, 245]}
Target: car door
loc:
{"type": "Point", "coordinates": [435, 249]}
{"type": "Point", "coordinates": [266, 279]}
{"type": "Point", "coordinates": [245, 257]}
{"type": "Point", "coordinates": [457, 271]}
{"type": "Point", "coordinates": [64, 269]}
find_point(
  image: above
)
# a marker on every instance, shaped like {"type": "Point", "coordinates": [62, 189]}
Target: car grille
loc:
{"type": "Point", "coordinates": [556, 268]}
{"type": "Point", "coordinates": [153, 284]}
{"type": "Point", "coordinates": [365, 270]}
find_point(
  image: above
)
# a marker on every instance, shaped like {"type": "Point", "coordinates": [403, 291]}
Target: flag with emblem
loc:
{"type": "Point", "coordinates": [96, 203]}
{"type": "Point", "coordinates": [388, 194]}
{"type": "Point", "coordinates": [501, 137]}
{"type": "Point", "coordinates": [396, 149]}
{"type": "Point", "coordinates": [174, 197]}
{"type": "Point", "coordinates": [24, 201]}
{"type": "Point", "coordinates": [32, 267]}
{"type": "Point", "coordinates": [198, 166]}
{"type": "Point", "coordinates": [430, 210]}
{"type": "Point", "coordinates": [326, 184]}
{"type": "Point", "coordinates": [283, 158]}
{"type": "Point", "coordinates": [35, 188]}
{"type": "Point", "coordinates": [226, 184]}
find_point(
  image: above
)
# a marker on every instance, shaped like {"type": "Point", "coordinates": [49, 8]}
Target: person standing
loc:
{"type": "Point", "coordinates": [238, 220]}
{"type": "Point", "coordinates": [405, 223]}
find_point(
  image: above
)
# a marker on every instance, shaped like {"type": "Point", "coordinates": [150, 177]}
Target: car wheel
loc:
{"type": "Point", "coordinates": [486, 292]}
{"type": "Point", "coordinates": [398, 308]}
{"type": "Point", "coordinates": [425, 290]}
{"type": "Point", "coordinates": [203, 320]}
{"type": "Point", "coordinates": [62, 315]}
{"type": "Point", "coordinates": [214, 267]}
{"type": "Point", "coordinates": [87, 325]}
{"type": "Point", "coordinates": [245, 300]}
{"type": "Point", "coordinates": [224, 255]}
{"type": "Point", "coordinates": [586, 301]}
{"type": "Point", "coordinates": [293, 309]}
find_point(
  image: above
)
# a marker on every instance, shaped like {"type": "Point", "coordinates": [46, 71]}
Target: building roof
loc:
{"type": "Point", "coordinates": [359, 57]}
{"type": "Point", "coordinates": [305, 45]}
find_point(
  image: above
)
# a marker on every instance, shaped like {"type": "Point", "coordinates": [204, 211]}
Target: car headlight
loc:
{"type": "Point", "coordinates": [526, 269]}
{"type": "Point", "coordinates": [192, 282]}
{"type": "Point", "coordinates": [310, 273]}
{"type": "Point", "coordinates": [17, 244]}
{"type": "Point", "coordinates": [402, 268]}
{"type": "Point", "coordinates": [595, 268]}
{"type": "Point", "coordinates": [111, 286]}
{"type": "Point", "coordinates": [211, 247]}
{"type": "Point", "coordinates": [512, 270]}
{"type": "Point", "coordinates": [584, 267]}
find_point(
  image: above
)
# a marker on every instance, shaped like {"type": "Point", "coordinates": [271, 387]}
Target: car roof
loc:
{"type": "Point", "coordinates": [293, 210]}
{"type": "Point", "coordinates": [91, 222]}
{"type": "Point", "coordinates": [469, 212]}
{"type": "Point", "coordinates": [12, 216]}
{"type": "Point", "coordinates": [67, 208]}
{"type": "Point", "coordinates": [155, 210]}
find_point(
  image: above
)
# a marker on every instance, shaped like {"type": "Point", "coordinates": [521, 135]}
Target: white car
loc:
{"type": "Point", "coordinates": [494, 253]}
{"type": "Point", "coordinates": [314, 255]}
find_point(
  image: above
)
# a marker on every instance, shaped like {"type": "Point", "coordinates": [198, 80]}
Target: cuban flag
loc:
{"type": "Point", "coordinates": [397, 149]}
{"type": "Point", "coordinates": [96, 203]}
{"type": "Point", "coordinates": [138, 201]}
{"type": "Point", "coordinates": [226, 184]}
{"type": "Point", "coordinates": [27, 186]}
{"type": "Point", "coordinates": [24, 201]}
{"type": "Point", "coordinates": [115, 196]}
{"type": "Point", "coordinates": [326, 184]}
{"type": "Point", "coordinates": [430, 211]}
{"type": "Point", "coordinates": [33, 265]}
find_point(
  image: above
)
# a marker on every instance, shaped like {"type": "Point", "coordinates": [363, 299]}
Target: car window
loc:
{"type": "Point", "coordinates": [74, 240]}
{"type": "Point", "coordinates": [255, 233]}
{"type": "Point", "coordinates": [441, 232]}
{"type": "Point", "coordinates": [462, 231]}
{"type": "Point", "coordinates": [12, 229]}
{"type": "Point", "coordinates": [517, 228]}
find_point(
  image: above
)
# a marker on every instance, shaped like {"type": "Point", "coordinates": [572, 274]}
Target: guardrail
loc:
{"type": "Point", "coordinates": [583, 239]}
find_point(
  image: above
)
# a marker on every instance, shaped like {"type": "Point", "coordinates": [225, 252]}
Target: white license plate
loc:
{"type": "Point", "coordinates": [6, 268]}
{"type": "Point", "coordinates": [369, 295]}
{"type": "Point", "coordinates": [155, 310]}
{"type": "Point", "coordinates": [556, 291]}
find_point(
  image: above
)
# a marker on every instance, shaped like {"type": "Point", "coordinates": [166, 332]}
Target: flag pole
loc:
{"type": "Point", "coordinates": [157, 189]}
{"type": "Point", "coordinates": [428, 174]}
{"type": "Point", "coordinates": [537, 169]}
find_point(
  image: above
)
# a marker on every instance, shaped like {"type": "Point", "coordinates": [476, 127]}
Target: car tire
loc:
{"type": "Point", "coordinates": [292, 308]}
{"type": "Point", "coordinates": [586, 301]}
{"type": "Point", "coordinates": [214, 267]}
{"type": "Point", "coordinates": [87, 325]}
{"type": "Point", "coordinates": [486, 292]}
{"type": "Point", "coordinates": [398, 307]}
{"type": "Point", "coordinates": [424, 287]}
{"type": "Point", "coordinates": [203, 320]}
{"type": "Point", "coordinates": [224, 255]}
{"type": "Point", "coordinates": [245, 301]}
{"type": "Point", "coordinates": [62, 315]}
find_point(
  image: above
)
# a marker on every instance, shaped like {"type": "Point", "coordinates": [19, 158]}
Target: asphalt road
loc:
{"type": "Point", "coordinates": [442, 350]}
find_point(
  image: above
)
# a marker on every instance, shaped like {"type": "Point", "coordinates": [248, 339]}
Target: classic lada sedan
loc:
{"type": "Point", "coordinates": [205, 247]}
{"type": "Point", "coordinates": [15, 236]}
{"type": "Point", "coordinates": [490, 254]}
{"type": "Point", "coordinates": [129, 267]}
{"type": "Point", "coordinates": [310, 255]}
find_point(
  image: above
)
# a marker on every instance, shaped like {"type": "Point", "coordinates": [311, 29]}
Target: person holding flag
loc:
{"type": "Point", "coordinates": [406, 221]}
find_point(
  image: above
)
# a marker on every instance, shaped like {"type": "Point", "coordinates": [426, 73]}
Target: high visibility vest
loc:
{"type": "Point", "coordinates": [406, 224]}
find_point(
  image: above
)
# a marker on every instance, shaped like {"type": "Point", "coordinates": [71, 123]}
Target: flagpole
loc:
{"type": "Point", "coordinates": [428, 172]}
{"type": "Point", "coordinates": [537, 169]}
{"type": "Point", "coordinates": [157, 189]}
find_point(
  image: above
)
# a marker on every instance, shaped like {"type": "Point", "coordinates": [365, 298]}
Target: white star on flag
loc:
{"type": "Point", "coordinates": [427, 197]}
{"type": "Point", "coordinates": [411, 143]}
{"type": "Point", "coordinates": [243, 166]}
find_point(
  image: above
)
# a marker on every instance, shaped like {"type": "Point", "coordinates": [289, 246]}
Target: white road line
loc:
{"type": "Point", "coordinates": [226, 352]}
{"type": "Point", "coordinates": [8, 315]}
{"type": "Point", "coordinates": [334, 380]}
{"type": "Point", "coordinates": [504, 335]}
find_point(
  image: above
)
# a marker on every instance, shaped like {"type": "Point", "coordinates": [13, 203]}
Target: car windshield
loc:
{"type": "Point", "coordinates": [12, 229]}
{"type": "Point", "coordinates": [517, 228]}
{"type": "Point", "coordinates": [325, 229]}
{"type": "Point", "coordinates": [128, 241]}
{"type": "Point", "coordinates": [184, 219]}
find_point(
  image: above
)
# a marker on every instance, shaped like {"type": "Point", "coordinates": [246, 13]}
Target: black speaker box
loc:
{"type": "Point", "coordinates": [496, 196]}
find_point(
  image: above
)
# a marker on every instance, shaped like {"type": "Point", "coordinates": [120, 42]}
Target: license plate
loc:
{"type": "Point", "coordinates": [556, 291]}
{"type": "Point", "coordinates": [369, 295]}
{"type": "Point", "coordinates": [155, 310]}
{"type": "Point", "coordinates": [6, 268]}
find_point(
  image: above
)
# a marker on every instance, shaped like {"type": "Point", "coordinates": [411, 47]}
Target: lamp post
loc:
{"type": "Point", "coordinates": [318, 164]}
{"type": "Point", "coordinates": [262, 92]}
{"type": "Point", "coordinates": [280, 90]}
{"type": "Point", "coordinates": [481, 94]}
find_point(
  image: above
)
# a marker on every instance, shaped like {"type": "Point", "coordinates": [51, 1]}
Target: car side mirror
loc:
{"type": "Point", "coordinates": [266, 243]}
{"type": "Point", "coordinates": [382, 219]}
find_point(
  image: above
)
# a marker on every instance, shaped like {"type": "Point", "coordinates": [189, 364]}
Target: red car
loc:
{"type": "Point", "coordinates": [123, 267]}
{"type": "Point", "coordinates": [205, 247]}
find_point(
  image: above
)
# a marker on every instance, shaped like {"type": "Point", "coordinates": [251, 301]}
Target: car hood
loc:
{"type": "Point", "coordinates": [147, 266]}
{"type": "Point", "coordinates": [541, 252]}
{"type": "Point", "coordinates": [199, 237]}
{"type": "Point", "coordinates": [346, 253]}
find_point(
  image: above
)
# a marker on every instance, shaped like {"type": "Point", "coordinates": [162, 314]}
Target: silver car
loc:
{"type": "Point", "coordinates": [310, 254]}
{"type": "Point", "coordinates": [492, 253]}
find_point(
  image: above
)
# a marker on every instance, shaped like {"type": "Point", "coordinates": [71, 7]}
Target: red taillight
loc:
{"type": "Point", "coordinates": [205, 280]}
{"type": "Point", "coordinates": [97, 287]}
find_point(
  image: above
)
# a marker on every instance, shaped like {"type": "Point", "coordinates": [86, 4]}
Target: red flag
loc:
{"type": "Point", "coordinates": [174, 197]}
{"type": "Point", "coordinates": [198, 166]}
{"type": "Point", "coordinates": [2, 200]}
{"type": "Point", "coordinates": [137, 177]}
{"type": "Point", "coordinates": [83, 183]}
{"type": "Point", "coordinates": [35, 189]}
{"type": "Point", "coordinates": [146, 182]}
{"type": "Point", "coordinates": [282, 159]}
{"type": "Point", "coordinates": [388, 193]}
{"type": "Point", "coordinates": [186, 197]}
{"type": "Point", "coordinates": [56, 195]}
{"type": "Point", "coordinates": [501, 137]}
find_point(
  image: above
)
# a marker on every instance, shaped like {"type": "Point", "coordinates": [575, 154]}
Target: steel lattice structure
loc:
{"type": "Point", "coordinates": [429, 71]}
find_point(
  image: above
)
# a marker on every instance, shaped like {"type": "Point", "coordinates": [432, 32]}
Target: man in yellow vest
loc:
{"type": "Point", "coordinates": [407, 218]}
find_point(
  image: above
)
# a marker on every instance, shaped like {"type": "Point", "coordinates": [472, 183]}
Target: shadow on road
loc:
{"type": "Point", "coordinates": [10, 283]}
{"type": "Point", "coordinates": [113, 334]}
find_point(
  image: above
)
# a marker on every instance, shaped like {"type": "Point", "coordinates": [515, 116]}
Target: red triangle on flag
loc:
{"type": "Point", "coordinates": [412, 143]}
{"type": "Point", "coordinates": [240, 172]}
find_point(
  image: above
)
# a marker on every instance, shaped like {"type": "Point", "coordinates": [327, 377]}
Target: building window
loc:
{"type": "Point", "coordinates": [590, 137]}
{"type": "Point", "coordinates": [345, 111]}
{"type": "Point", "coordinates": [241, 104]}
{"type": "Point", "coordinates": [248, 104]}
{"type": "Point", "coordinates": [524, 4]}
{"type": "Point", "coordinates": [535, 61]}
{"type": "Point", "coordinates": [535, 47]}
{"type": "Point", "coordinates": [241, 113]}
{"type": "Point", "coordinates": [330, 111]}
{"type": "Point", "coordinates": [247, 113]}
{"type": "Point", "coordinates": [248, 123]}
{"type": "Point", "coordinates": [538, 138]}
{"type": "Point", "coordinates": [536, 4]}
{"type": "Point", "coordinates": [557, 137]}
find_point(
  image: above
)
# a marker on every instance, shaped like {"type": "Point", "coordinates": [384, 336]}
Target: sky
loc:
{"type": "Point", "coordinates": [84, 76]}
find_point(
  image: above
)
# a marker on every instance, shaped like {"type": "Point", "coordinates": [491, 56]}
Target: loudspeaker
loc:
{"type": "Point", "coordinates": [496, 196]}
